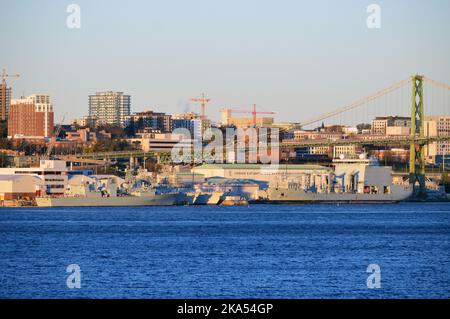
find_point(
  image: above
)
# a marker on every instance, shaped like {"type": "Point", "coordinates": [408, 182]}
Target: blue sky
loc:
{"type": "Point", "coordinates": [298, 58]}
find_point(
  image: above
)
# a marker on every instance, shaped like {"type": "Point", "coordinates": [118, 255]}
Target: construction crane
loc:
{"type": "Point", "coordinates": [203, 101]}
{"type": "Point", "coordinates": [4, 77]}
{"type": "Point", "coordinates": [53, 142]}
{"type": "Point", "coordinates": [253, 112]}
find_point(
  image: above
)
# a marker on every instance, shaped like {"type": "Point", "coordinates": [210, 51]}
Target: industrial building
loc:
{"type": "Point", "coordinates": [16, 187]}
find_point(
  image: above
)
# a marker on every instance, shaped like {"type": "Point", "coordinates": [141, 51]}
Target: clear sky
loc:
{"type": "Point", "coordinates": [298, 58]}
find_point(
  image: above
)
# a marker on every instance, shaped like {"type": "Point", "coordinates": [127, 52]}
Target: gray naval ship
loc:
{"type": "Point", "coordinates": [352, 181]}
{"type": "Point", "coordinates": [87, 194]}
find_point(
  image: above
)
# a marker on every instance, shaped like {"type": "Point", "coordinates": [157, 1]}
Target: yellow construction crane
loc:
{"type": "Point", "coordinates": [4, 77]}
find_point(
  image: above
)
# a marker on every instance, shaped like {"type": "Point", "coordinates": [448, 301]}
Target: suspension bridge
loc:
{"type": "Point", "coordinates": [426, 97]}
{"type": "Point", "coordinates": [415, 97]}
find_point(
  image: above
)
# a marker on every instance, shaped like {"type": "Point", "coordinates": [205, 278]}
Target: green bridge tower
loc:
{"type": "Point", "coordinates": [417, 150]}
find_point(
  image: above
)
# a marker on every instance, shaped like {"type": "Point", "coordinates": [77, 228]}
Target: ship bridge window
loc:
{"type": "Point", "coordinates": [374, 190]}
{"type": "Point", "coordinates": [387, 190]}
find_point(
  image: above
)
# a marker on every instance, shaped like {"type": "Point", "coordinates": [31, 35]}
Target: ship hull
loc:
{"type": "Point", "coordinates": [157, 200]}
{"type": "Point", "coordinates": [286, 196]}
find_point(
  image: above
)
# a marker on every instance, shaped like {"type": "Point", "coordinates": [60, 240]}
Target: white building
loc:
{"type": "Point", "coordinates": [348, 151]}
{"type": "Point", "coordinates": [14, 187]}
{"type": "Point", "coordinates": [349, 130]}
{"type": "Point", "coordinates": [381, 124]}
{"type": "Point", "coordinates": [110, 107]}
{"type": "Point", "coordinates": [398, 131]}
{"type": "Point", "coordinates": [160, 142]}
{"type": "Point", "coordinates": [192, 122]}
{"type": "Point", "coordinates": [52, 172]}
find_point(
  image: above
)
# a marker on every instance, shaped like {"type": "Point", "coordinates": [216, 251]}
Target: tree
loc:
{"type": "Point", "coordinates": [446, 181]}
{"type": "Point", "coordinates": [62, 131]}
{"type": "Point", "coordinates": [116, 131]}
{"type": "Point", "coordinates": [3, 129]}
{"type": "Point", "coordinates": [363, 126]}
{"type": "Point", "coordinates": [114, 145]}
{"type": "Point", "coordinates": [130, 129]}
{"type": "Point", "coordinates": [3, 160]}
{"type": "Point", "coordinates": [5, 144]}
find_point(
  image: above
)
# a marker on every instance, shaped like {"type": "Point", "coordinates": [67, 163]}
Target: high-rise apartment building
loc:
{"type": "Point", "coordinates": [110, 107]}
{"type": "Point", "coordinates": [31, 117]}
{"type": "Point", "coordinates": [7, 97]}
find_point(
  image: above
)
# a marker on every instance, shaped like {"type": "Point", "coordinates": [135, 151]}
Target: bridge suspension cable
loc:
{"type": "Point", "coordinates": [437, 83]}
{"type": "Point", "coordinates": [358, 103]}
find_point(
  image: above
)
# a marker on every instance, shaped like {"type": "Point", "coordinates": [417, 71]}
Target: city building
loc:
{"type": "Point", "coordinates": [398, 131]}
{"type": "Point", "coordinates": [31, 117]}
{"type": "Point", "coordinates": [149, 120]}
{"type": "Point", "coordinates": [243, 122]}
{"type": "Point", "coordinates": [53, 174]}
{"type": "Point", "coordinates": [438, 152]}
{"type": "Point", "coordinates": [398, 155]}
{"type": "Point", "coordinates": [85, 135]}
{"type": "Point", "coordinates": [193, 123]}
{"type": "Point", "coordinates": [7, 96]}
{"type": "Point", "coordinates": [380, 124]}
{"type": "Point", "coordinates": [350, 130]}
{"type": "Point", "coordinates": [160, 142]}
{"type": "Point", "coordinates": [227, 120]}
{"type": "Point", "coordinates": [286, 126]}
{"type": "Point", "coordinates": [308, 155]}
{"type": "Point", "coordinates": [85, 121]}
{"type": "Point", "coordinates": [347, 151]}
{"type": "Point", "coordinates": [110, 107]}
{"type": "Point", "coordinates": [82, 121]}
{"type": "Point", "coordinates": [321, 150]}
{"type": "Point", "coordinates": [314, 135]}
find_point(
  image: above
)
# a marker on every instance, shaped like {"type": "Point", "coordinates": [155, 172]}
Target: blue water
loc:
{"type": "Point", "coordinates": [319, 251]}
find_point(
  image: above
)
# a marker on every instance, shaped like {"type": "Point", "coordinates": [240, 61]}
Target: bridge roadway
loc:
{"type": "Point", "coordinates": [404, 140]}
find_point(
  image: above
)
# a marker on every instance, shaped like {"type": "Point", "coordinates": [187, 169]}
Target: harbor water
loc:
{"type": "Point", "coordinates": [261, 251]}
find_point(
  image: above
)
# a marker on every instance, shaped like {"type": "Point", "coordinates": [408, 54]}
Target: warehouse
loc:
{"type": "Point", "coordinates": [16, 187]}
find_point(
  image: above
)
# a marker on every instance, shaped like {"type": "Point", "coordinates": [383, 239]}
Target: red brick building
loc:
{"type": "Point", "coordinates": [31, 117]}
{"type": "Point", "coordinates": [86, 135]}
